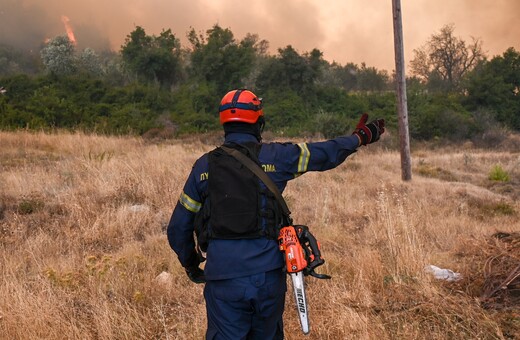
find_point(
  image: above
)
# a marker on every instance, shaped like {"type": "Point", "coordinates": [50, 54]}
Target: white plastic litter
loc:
{"type": "Point", "coordinates": [443, 274]}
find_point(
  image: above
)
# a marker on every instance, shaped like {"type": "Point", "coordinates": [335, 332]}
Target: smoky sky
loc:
{"type": "Point", "coordinates": [344, 30]}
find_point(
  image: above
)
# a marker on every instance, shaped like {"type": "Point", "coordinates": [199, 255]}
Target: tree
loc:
{"type": "Point", "coordinates": [220, 60]}
{"type": "Point", "coordinates": [58, 56]}
{"type": "Point", "coordinates": [439, 116]}
{"type": "Point", "coordinates": [293, 71]}
{"type": "Point", "coordinates": [153, 58]}
{"type": "Point", "coordinates": [445, 59]}
{"type": "Point", "coordinates": [16, 61]}
{"type": "Point", "coordinates": [370, 79]}
{"type": "Point", "coordinates": [351, 77]}
{"type": "Point", "coordinates": [90, 62]}
{"type": "Point", "coordinates": [338, 76]}
{"type": "Point", "coordinates": [495, 85]}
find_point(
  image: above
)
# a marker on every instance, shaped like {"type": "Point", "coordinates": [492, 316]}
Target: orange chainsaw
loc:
{"type": "Point", "coordinates": [302, 251]}
{"type": "Point", "coordinates": [302, 256]}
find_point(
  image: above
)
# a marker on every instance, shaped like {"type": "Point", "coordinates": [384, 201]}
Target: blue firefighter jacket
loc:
{"type": "Point", "coordinates": [283, 162]}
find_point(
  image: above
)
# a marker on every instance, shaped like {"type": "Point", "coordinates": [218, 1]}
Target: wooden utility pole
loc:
{"type": "Point", "coordinates": [402, 110]}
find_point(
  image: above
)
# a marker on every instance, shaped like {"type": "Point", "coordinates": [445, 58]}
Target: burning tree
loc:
{"type": "Point", "coordinates": [68, 29]}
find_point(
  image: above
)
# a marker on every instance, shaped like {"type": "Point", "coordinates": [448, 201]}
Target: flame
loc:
{"type": "Point", "coordinates": [68, 28]}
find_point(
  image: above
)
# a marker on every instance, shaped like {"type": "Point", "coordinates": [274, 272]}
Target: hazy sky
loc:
{"type": "Point", "coordinates": [344, 30]}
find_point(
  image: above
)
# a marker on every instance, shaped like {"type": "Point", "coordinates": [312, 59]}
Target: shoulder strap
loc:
{"type": "Point", "coordinates": [258, 171]}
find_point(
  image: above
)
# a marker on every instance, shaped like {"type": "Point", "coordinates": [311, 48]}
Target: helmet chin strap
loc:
{"type": "Point", "coordinates": [261, 123]}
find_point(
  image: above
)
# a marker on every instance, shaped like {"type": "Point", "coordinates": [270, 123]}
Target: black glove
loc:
{"type": "Point", "coordinates": [196, 274]}
{"type": "Point", "coordinates": [369, 133]}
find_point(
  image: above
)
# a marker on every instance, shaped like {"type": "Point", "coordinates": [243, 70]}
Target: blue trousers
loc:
{"type": "Point", "coordinates": [249, 307]}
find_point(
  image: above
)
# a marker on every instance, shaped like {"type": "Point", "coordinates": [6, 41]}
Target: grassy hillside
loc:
{"type": "Point", "coordinates": [84, 255]}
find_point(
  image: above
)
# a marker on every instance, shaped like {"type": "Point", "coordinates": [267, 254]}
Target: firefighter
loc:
{"type": "Point", "coordinates": [236, 219]}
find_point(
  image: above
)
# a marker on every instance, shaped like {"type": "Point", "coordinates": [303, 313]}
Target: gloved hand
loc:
{"type": "Point", "coordinates": [195, 274]}
{"type": "Point", "coordinates": [369, 133]}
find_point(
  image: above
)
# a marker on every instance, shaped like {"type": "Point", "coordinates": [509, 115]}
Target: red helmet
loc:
{"type": "Point", "coordinates": [240, 106]}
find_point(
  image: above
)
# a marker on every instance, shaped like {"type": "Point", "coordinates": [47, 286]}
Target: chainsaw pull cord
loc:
{"type": "Point", "coordinates": [309, 242]}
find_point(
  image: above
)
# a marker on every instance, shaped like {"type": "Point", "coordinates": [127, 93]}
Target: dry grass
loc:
{"type": "Point", "coordinates": [82, 240]}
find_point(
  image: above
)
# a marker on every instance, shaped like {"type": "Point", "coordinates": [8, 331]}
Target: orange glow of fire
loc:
{"type": "Point", "coordinates": [68, 28]}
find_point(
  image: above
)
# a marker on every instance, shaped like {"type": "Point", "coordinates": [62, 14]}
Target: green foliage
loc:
{"type": "Point", "coordinates": [90, 62]}
{"type": "Point", "coordinates": [155, 84]}
{"type": "Point", "coordinates": [428, 170]}
{"type": "Point", "coordinates": [331, 125]}
{"type": "Point", "coordinates": [220, 60]}
{"type": "Point", "coordinates": [19, 87]}
{"type": "Point", "coordinates": [382, 105]}
{"type": "Point", "coordinates": [284, 110]}
{"type": "Point", "coordinates": [58, 56]}
{"type": "Point", "coordinates": [194, 108]}
{"type": "Point", "coordinates": [495, 85]}
{"type": "Point", "coordinates": [334, 99]}
{"type": "Point", "coordinates": [199, 122]}
{"type": "Point", "coordinates": [498, 174]}
{"type": "Point", "coordinates": [485, 208]}
{"type": "Point", "coordinates": [14, 61]}
{"type": "Point", "coordinates": [153, 58]}
{"type": "Point", "coordinates": [503, 208]}
{"type": "Point", "coordinates": [81, 102]}
{"type": "Point", "coordinates": [30, 205]}
{"type": "Point", "coordinates": [290, 70]}
{"type": "Point", "coordinates": [439, 116]}
{"type": "Point", "coordinates": [371, 79]}
{"type": "Point", "coordinates": [353, 78]}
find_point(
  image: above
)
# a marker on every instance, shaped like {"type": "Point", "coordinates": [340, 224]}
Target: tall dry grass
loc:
{"type": "Point", "coordinates": [82, 241]}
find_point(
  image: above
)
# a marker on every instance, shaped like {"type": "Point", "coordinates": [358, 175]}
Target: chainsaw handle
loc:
{"type": "Point", "coordinates": [318, 275]}
{"type": "Point", "coordinates": [312, 250]}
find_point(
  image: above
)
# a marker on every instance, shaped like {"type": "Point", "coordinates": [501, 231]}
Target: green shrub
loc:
{"type": "Point", "coordinates": [503, 208]}
{"type": "Point", "coordinates": [330, 125]}
{"type": "Point", "coordinates": [498, 174]}
{"type": "Point", "coordinates": [29, 206]}
{"type": "Point", "coordinates": [428, 170]}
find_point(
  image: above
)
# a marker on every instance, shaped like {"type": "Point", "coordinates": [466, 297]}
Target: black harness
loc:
{"type": "Point", "coordinates": [236, 206]}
